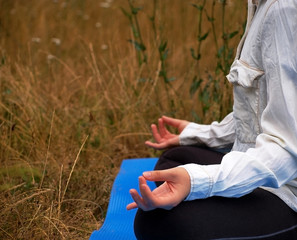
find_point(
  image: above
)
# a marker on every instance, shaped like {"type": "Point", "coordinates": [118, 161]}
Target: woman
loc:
{"type": "Point", "coordinates": [251, 191]}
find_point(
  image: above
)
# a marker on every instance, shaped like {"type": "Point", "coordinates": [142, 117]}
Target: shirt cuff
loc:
{"type": "Point", "coordinates": [189, 135]}
{"type": "Point", "coordinates": [201, 181]}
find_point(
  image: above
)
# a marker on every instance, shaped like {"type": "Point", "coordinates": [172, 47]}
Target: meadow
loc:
{"type": "Point", "coordinates": [80, 83]}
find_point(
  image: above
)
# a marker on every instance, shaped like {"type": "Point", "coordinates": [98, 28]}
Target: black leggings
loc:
{"type": "Point", "coordinates": [258, 215]}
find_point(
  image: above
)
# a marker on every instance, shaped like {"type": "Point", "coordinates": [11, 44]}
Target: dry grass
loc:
{"type": "Point", "coordinates": [73, 106]}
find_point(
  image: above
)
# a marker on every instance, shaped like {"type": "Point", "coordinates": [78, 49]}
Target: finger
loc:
{"type": "Point", "coordinates": [144, 201]}
{"type": "Point", "coordinates": [171, 121]}
{"type": "Point", "coordinates": [147, 195]}
{"type": "Point", "coordinates": [131, 206]}
{"type": "Point", "coordinates": [160, 175]}
{"type": "Point", "coordinates": [155, 133]}
{"type": "Point", "coordinates": [158, 146]}
{"type": "Point", "coordinates": [177, 123]}
{"type": "Point", "coordinates": [162, 129]}
{"type": "Point", "coordinates": [142, 183]}
{"type": "Point", "coordinates": [137, 199]}
{"type": "Point", "coordinates": [174, 141]}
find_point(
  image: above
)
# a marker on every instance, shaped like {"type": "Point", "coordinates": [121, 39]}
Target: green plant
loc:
{"type": "Point", "coordinates": [212, 91]}
{"type": "Point", "coordinates": [137, 41]}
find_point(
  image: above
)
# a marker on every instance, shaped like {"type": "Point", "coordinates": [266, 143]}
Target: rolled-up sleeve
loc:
{"type": "Point", "coordinates": [215, 135]}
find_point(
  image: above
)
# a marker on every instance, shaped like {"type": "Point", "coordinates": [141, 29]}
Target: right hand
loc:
{"type": "Point", "coordinates": [176, 187]}
{"type": "Point", "coordinates": [164, 138]}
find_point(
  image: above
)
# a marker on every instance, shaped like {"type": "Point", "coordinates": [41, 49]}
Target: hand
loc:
{"type": "Point", "coordinates": [175, 189]}
{"type": "Point", "coordinates": [162, 136]}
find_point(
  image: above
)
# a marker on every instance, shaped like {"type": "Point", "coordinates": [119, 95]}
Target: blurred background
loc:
{"type": "Point", "coordinates": [80, 83]}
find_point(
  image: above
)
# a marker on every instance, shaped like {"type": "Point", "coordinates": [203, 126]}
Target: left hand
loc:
{"type": "Point", "coordinates": [165, 139]}
{"type": "Point", "coordinates": [175, 189]}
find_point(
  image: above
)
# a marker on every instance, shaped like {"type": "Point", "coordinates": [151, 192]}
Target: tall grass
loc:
{"type": "Point", "coordinates": [75, 99]}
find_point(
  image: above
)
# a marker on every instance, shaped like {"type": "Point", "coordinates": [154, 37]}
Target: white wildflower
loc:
{"type": "Point", "coordinates": [104, 47]}
{"type": "Point", "coordinates": [98, 25]}
{"type": "Point", "coordinates": [56, 41]}
{"type": "Point", "coordinates": [104, 4]}
{"type": "Point", "coordinates": [36, 39]}
{"type": "Point", "coordinates": [50, 58]}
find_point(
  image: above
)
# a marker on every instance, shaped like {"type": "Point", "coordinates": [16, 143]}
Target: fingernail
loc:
{"type": "Point", "coordinates": [147, 174]}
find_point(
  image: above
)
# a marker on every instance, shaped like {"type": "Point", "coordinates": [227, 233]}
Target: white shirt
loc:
{"type": "Point", "coordinates": [263, 124]}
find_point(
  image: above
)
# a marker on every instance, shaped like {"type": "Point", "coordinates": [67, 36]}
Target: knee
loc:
{"type": "Point", "coordinates": [148, 225]}
{"type": "Point", "coordinates": [170, 158]}
{"type": "Point", "coordinates": [142, 227]}
{"type": "Point", "coordinates": [161, 224]}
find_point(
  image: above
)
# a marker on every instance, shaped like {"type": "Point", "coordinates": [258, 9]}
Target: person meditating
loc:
{"type": "Point", "coordinates": [249, 191]}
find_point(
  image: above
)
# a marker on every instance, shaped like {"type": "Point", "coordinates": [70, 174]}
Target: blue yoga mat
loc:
{"type": "Point", "coordinates": [118, 224]}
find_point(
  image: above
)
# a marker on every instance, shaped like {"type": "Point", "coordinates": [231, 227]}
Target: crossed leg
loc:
{"type": "Point", "coordinates": [258, 215]}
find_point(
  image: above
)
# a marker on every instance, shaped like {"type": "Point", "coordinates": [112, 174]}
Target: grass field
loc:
{"type": "Point", "coordinates": [80, 83]}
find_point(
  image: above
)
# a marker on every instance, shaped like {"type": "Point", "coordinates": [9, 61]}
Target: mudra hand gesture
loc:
{"type": "Point", "coordinates": [174, 190]}
{"type": "Point", "coordinates": [176, 184]}
{"type": "Point", "coordinates": [162, 136]}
